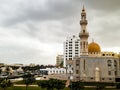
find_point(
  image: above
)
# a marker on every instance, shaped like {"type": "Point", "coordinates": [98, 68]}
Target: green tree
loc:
{"type": "Point", "coordinates": [4, 83]}
{"type": "Point", "coordinates": [100, 86]}
{"type": "Point", "coordinates": [7, 70]}
{"type": "Point", "coordinates": [59, 84]}
{"type": "Point", "coordinates": [43, 84]}
{"type": "Point", "coordinates": [46, 84]}
{"type": "Point", "coordinates": [76, 85]}
{"type": "Point", "coordinates": [28, 79]}
{"type": "Point", "coordinates": [118, 86]}
{"type": "Point", "coordinates": [51, 84]}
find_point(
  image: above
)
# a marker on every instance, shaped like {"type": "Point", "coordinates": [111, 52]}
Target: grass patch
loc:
{"type": "Point", "coordinates": [22, 82]}
{"type": "Point", "coordinates": [38, 88]}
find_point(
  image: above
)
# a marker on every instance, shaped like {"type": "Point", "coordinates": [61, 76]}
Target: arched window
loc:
{"type": "Point", "coordinates": [103, 54]}
{"type": "Point", "coordinates": [109, 73]}
{"type": "Point", "coordinates": [77, 61]}
{"type": "Point", "coordinates": [84, 64]}
{"type": "Point", "coordinates": [115, 67]}
{"type": "Point", "coordinates": [84, 44]}
{"type": "Point", "coordinates": [115, 63]}
{"type": "Point", "coordinates": [80, 44]}
{"type": "Point", "coordinates": [109, 63]}
{"type": "Point", "coordinates": [83, 31]}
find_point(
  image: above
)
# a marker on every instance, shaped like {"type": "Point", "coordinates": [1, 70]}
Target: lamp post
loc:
{"type": "Point", "coordinates": [71, 78]}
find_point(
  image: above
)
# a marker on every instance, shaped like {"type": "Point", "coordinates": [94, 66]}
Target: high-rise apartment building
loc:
{"type": "Point", "coordinates": [59, 60]}
{"type": "Point", "coordinates": [71, 49]}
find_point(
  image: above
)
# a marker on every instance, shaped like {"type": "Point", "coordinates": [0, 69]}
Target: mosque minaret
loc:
{"type": "Point", "coordinates": [83, 34]}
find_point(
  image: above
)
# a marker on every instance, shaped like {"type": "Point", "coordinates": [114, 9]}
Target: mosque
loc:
{"type": "Point", "coordinates": [93, 64]}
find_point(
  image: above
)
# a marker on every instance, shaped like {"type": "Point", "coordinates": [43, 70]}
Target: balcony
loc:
{"type": "Point", "coordinates": [83, 22]}
{"type": "Point", "coordinates": [84, 34]}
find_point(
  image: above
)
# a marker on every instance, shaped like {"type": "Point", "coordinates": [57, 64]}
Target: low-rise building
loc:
{"type": "Point", "coordinates": [55, 70]}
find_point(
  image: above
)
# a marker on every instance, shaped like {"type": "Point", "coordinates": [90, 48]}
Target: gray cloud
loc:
{"type": "Point", "coordinates": [23, 11]}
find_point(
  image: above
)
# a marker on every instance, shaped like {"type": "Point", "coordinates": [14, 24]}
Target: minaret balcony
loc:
{"type": "Point", "coordinates": [83, 22]}
{"type": "Point", "coordinates": [84, 34]}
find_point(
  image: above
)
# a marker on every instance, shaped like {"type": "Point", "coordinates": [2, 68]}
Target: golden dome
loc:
{"type": "Point", "coordinates": [94, 47]}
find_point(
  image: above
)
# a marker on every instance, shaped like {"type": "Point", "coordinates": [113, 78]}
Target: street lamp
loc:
{"type": "Point", "coordinates": [71, 78]}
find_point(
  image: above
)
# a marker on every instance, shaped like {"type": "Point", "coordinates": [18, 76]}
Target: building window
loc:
{"type": "Point", "coordinates": [76, 47]}
{"type": "Point", "coordinates": [77, 61]}
{"type": "Point", "coordinates": [109, 73]}
{"type": "Point", "coordinates": [83, 31]}
{"type": "Point", "coordinates": [76, 42]}
{"type": "Point", "coordinates": [91, 78]}
{"type": "Point", "coordinates": [76, 50]}
{"type": "Point", "coordinates": [84, 64]}
{"type": "Point", "coordinates": [77, 71]}
{"type": "Point", "coordinates": [115, 73]}
{"type": "Point", "coordinates": [84, 44]}
{"type": "Point", "coordinates": [109, 63]}
{"type": "Point", "coordinates": [77, 77]}
{"type": "Point", "coordinates": [103, 79]}
{"type": "Point", "coordinates": [70, 44]}
{"type": "Point", "coordinates": [103, 54]}
{"type": "Point", "coordinates": [72, 68]}
{"type": "Point", "coordinates": [115, 63]}
{"type": "Point", "coordinates": [81, 44]}
{"type": "Point", "coordinates": [76, 53]}
{"type": "Point", "coordinates": [70, 55]}
{"type": "Point", "coordinates": [113, 55]}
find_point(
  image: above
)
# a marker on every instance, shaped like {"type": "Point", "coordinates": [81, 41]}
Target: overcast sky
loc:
{"type": "Point", "coordinates": [33, 31]}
